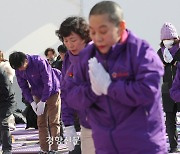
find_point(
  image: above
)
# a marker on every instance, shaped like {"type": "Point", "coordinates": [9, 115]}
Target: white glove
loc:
{"type": "Point", "coordinates": [167, 56]}
{"type": "Point", "coordinates": [34, 106]}
{"type": "Point", "coordinates": [93, 63]}
{"type": "Point", "coordinates": [99, 78]}
{"type": "Point", "coordinates": [70, 137]}
{"type": "Point", "coordinates": [97, 90]}
{"type": "Point", "coordinates": [40, 108]}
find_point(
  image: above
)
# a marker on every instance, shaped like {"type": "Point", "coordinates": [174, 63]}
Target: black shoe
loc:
{"type": "Point", "coordinates": [42, 152]}
{"type": "Point", "coordinates": [174, 150]}
{"type": "Point", "coordinates": [53, 152]}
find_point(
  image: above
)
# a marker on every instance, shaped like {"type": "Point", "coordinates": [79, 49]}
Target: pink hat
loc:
{"type": "Point", "coordinates": [168, 31]}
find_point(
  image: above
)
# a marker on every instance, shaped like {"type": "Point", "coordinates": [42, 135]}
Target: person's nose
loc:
{"type": "Point", "coordinates": [98, 38]}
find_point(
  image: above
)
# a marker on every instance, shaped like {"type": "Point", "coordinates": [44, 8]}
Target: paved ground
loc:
{"type": "Point", "coordinates": [27, 141]}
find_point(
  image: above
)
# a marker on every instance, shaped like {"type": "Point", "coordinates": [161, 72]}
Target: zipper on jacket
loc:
{"type": "Point", "coordinates": [114, 125]}
{"type": "Point", "coordinates": [172, 76]}
{"type": "Point", "coordinates": [110, 109]}
{"type": "Point", "coordinates": [172, 73]}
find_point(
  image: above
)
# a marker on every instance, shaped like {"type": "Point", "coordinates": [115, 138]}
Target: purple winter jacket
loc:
{"type": "Point", "coordinates": [43, 79]}
{"type": "Point", "coordinates": [129, 119]}
{"type": "Point", "coordinates": [66, 111]}
{"type": "Point", "coordinates": [175, 89]}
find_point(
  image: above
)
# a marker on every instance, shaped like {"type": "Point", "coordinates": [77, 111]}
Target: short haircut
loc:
{"type": "Point", "coordinates": [49, 49]}
{"type": "Point", "coordinates": [74, 24]}
{"type": "Point", "coordinates": [112, 9]}
{"type": "Point", "coordinates": [17, 59]}
{"type": "Point", "coordinates": [62, 49]}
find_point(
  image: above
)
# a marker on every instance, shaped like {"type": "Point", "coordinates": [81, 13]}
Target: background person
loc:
{"type": "Point", "coordinates": [74, 33]}
{"type": "Point", "coordinates": [52, 58]}
{"type": "Point", "coordinates": [62, 52]}
{"type": "Point", "coordinates": [7, 108]}
{"type": "Point", "coordinates": [169, 53]}
{"type": "Point", "coordinates": [35, 72]}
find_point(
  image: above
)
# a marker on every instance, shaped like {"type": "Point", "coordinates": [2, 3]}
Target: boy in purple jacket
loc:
{"type": "Point", "coordinates": [117, 83]}
{"type": "Point", "coordinates": [43, 96]}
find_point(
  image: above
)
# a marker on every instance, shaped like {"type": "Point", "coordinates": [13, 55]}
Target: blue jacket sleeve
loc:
{"type": "Point", "coordinates": [148, 70]}
{"type": "Point", "coordinates": [23, 84]}
{"type": "Point", "coordinates": [175, 89]}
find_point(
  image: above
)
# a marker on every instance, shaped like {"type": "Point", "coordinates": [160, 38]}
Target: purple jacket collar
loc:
{"type": "Point", "coordinates": [73, 58]}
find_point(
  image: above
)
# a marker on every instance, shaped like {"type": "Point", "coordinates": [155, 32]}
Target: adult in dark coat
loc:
{"type": "Point", "coordinates": [7, 107]}
{"type": "Point", "coordinates": [54, 61]}
{"type": "Point", "coordinates": [169, 53]}
{"type": "Point", "coordinates": [62, 51]}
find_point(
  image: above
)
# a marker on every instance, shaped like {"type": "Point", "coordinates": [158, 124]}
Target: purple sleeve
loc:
{"type": "Point", "coordinates": [23, 84]}
{"type": "Point", "coordinates": [67, 113]}
{"type": "Point", "coordinates": [175, 89]}
{"type": "Point", "coordinates": [148, 70]}
{"type": "Point", "coordinates": [79, 95]}
{"type": "Point", "coordinates": [46, 75]}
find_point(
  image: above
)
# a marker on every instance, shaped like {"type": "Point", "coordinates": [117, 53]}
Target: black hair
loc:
{"type": "Point", "coordinates": [74, 24]}
{"type": "Point", "coordinates": [62, 48]}
{"type": "Point", "coordinates": [17, 59]}
{"type": "Point", "coordinates": [112, 9]}
{"type": "Point", "coordinates": [49, 49]}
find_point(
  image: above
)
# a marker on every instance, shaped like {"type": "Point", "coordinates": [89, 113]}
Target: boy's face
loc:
{"type": "Point", "coordinates": [74, 43]}
{"type": "Point", "coordinates": [24, 66]}
{"type": "Point", "coordinates": [103, 33]}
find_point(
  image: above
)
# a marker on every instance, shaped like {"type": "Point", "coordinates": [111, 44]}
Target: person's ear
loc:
{"type": "Point", "coordinates": [122, 27]}
{"type": "Point", "coordinates": [25, 62]}
{"type": "Point", "coordinates": [83, 42]}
